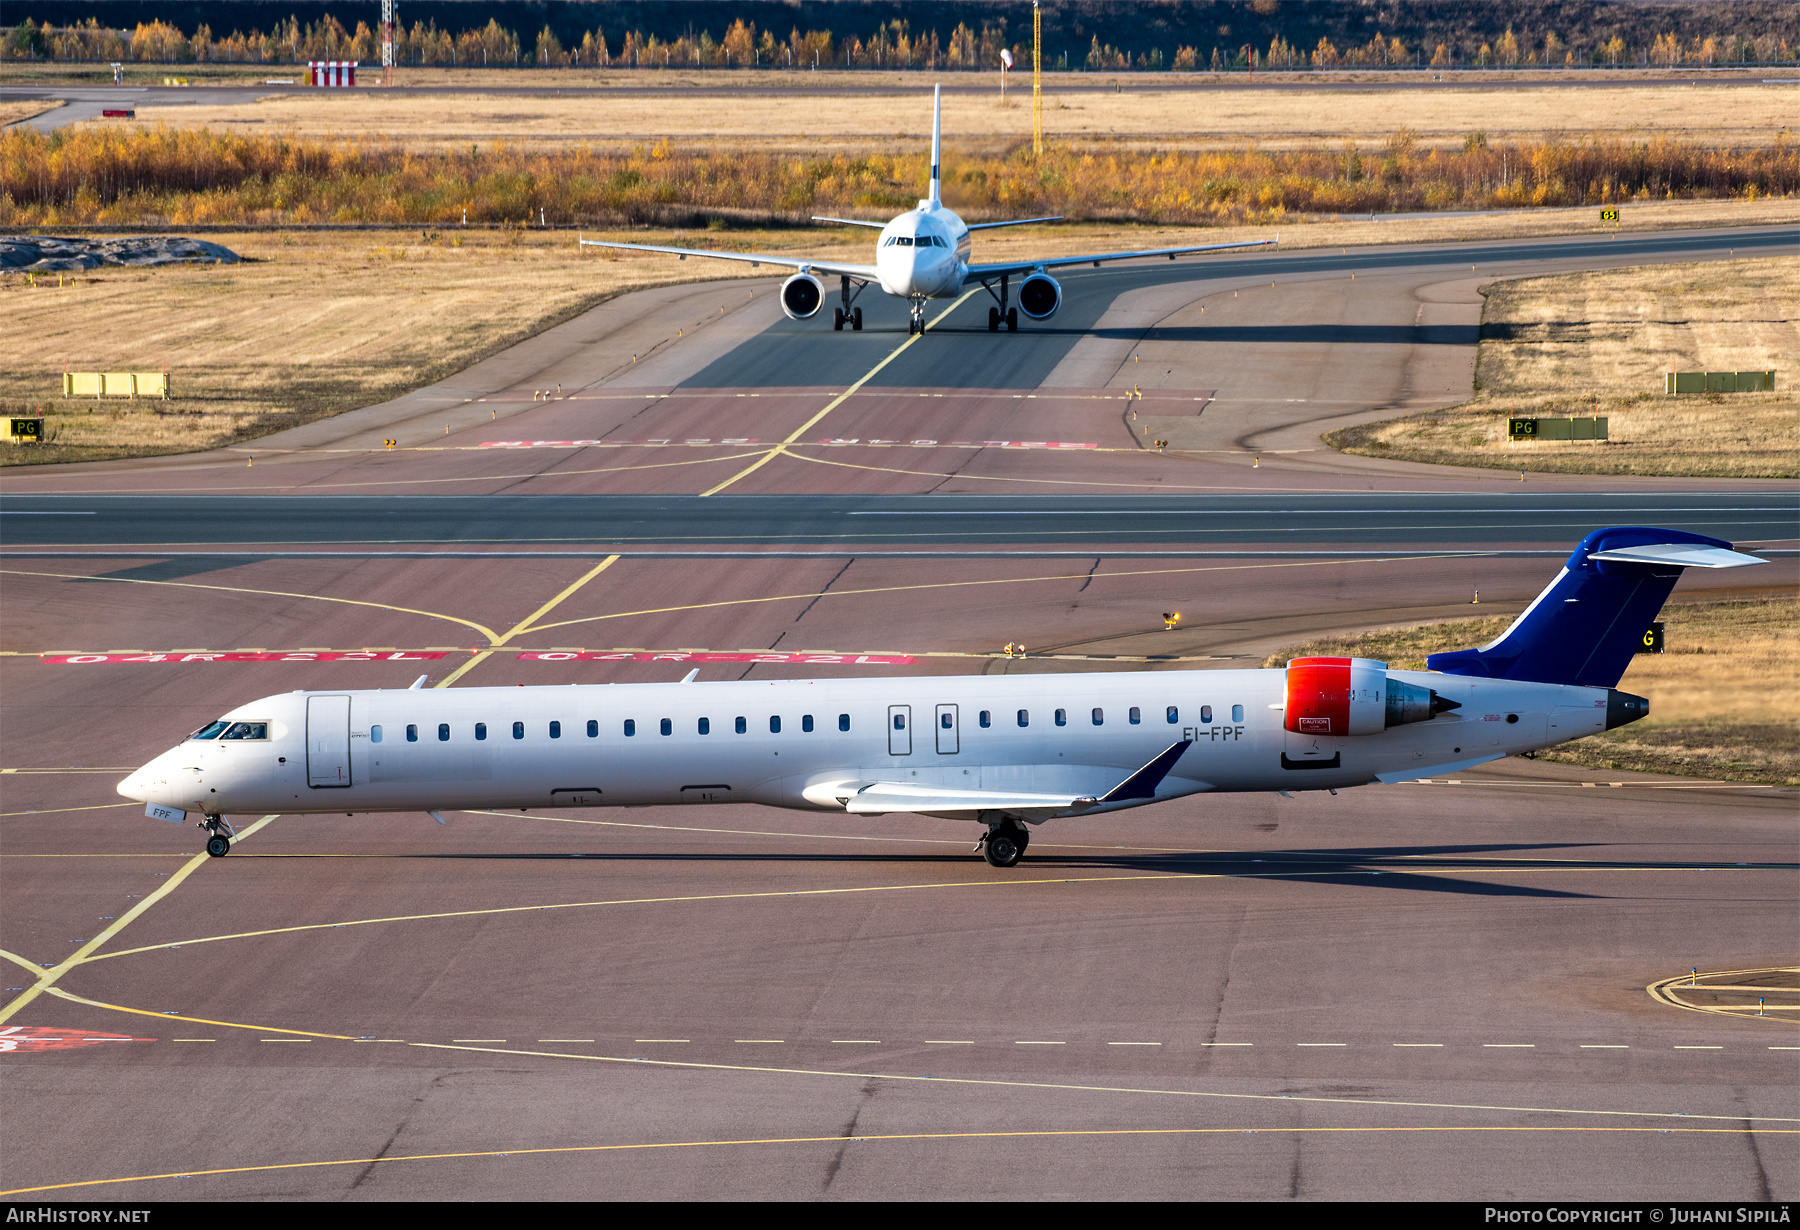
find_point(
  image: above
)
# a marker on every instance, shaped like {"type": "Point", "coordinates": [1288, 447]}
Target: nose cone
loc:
{"type": "Point", "coordinates": [136, 786]}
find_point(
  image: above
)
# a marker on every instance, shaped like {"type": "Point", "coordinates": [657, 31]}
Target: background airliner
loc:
{"type": "Point", "coordinates": [924, 254]}
{"type": "Point", "coordinates": [1005, 751]}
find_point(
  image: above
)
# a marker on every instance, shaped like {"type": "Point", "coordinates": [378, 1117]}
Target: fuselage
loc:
{"type": "Point", "coordinates": [795, 743]}
{"type": "Point", "coordinates": [924, 253]}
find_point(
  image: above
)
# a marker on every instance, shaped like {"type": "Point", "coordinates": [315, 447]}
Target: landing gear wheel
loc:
{"type": "Point", "coordinates": [218, 845]}
{"type": "Point", "coordinates": [993, 320]}
{"type": "Point", "coordinates": [1002, 848]}
{"type": "Point", "coordinates": [1012, 320]}
{"type": "Point", "coordinates": [837, 319]}
{"type": "Point", "coordinates": [856, 320]}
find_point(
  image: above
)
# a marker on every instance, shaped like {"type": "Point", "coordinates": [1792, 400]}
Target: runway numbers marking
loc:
{"type": "Point", "coordinates": [28, 1039]}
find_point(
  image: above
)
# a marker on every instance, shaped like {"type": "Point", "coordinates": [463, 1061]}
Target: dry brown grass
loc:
{"type": "Point", "coordinates": [18, 110]}
{"type": "Point", "coordinates": [1598, 343]}
{"type": "Point", "coordinates": [1149, 109]}
{"type": "Point", "coordinates": [315, 324]}
{"type": "Point", "coordinates": [1721, 697]}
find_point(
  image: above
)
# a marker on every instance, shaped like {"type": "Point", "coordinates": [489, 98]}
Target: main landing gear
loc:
{"type": "Point", "coordinates": [220, 833]}
{"type": "Point", "coordinates": [1004, 844]}
{"type": "Point", "coordinates": [1003, 313]}
{"type": "Point", "coordinates": [847, 314]}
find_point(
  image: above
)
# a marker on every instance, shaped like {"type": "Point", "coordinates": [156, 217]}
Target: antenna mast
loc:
{"type": "Point", "coordinates": [1037, 82]}
{"type": "Point", "coordinates": [387, 38]}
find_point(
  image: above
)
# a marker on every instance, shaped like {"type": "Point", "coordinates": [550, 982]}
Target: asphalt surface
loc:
{"type": "Point", "coordinates": [1427, 990]}
{"type": "Point", "coordinates": [874, 522]}
{"type": "Point", "coordinates": [1027, 359]}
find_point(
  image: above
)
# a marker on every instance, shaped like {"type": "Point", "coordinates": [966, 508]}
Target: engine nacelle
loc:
{"type": "Point", "coordinates": [1355, 696]}
{"type": "Point", "coordinates": [1039, 296]}
{"type": "Point", "coordinates": [802, 296]}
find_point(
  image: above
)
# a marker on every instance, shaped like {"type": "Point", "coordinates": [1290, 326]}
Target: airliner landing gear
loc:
{"type": "Point", "coordinates": [917, 323]}
{"type": "Point", "coordinates": [1002, 313]}
{"type": "Point", "coordinates": [1005, 844]}
{"type": "Point", "coordinates": [847, 314]}
{"type": "Point", "coordinates": [218, 843]}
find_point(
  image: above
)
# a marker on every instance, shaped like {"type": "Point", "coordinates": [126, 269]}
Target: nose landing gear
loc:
{"type": "Point", "coordinates": [917, 323]}
{"type": "Point", "coordinates": [1004, 844]}
{"type": "Point", "coordinates": [218, 843]}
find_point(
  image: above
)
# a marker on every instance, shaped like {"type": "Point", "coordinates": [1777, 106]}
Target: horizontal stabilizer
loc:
{"type": "Point", "coordinates": [1680, 554]}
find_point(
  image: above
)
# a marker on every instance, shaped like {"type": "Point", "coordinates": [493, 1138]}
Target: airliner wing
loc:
{"type": "Point", "coordinates": [878, 798]}
{"type": "Point", "coordinates": [806, 263]}
{"type": "Point", "coordinates": [979, 272]}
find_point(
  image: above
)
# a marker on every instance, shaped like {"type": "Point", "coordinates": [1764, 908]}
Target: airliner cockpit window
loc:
{"type": "Point", "coordinates": [212, 731]}
{"type": "Point", "coordinates": [901, 241]}
{"type": "Point", "coordinates": [246, 730]}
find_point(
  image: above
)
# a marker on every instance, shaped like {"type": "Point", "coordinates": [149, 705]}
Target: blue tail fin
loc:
{"type": "Point", "coordinates": [1584, 628]}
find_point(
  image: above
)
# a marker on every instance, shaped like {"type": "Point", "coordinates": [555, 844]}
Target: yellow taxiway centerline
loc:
{"type": "Point", "coordinates": [835, 402]}
{"type": "Point", "coordinates": [48, 978]}
{"type": "Point", "coordinates": [525, 624]}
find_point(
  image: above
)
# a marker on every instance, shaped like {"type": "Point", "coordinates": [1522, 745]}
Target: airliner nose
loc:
{"type": "Point", "coordinates": [135, 787]}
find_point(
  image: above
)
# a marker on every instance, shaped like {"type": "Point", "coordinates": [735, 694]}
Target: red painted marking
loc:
{"type": "Point", "coordinates": [336, 655]}
{"type": "Point", "coordinates": [821, 659]}
{"type": "Point", "coordinates": [43, 1038]}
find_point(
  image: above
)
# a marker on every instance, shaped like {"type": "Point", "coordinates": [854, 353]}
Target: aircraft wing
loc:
{"type": "Point", "coordinates": [978, 272]}
{"type": "Point", "coordinates": [809, 264]}
{"type": "Point", "coordinates": [878, 798]}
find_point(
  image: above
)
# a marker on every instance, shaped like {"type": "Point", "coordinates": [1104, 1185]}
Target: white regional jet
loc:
{"type": "Point", "coordinates": [924, 254]}
{"type": "Point", "coordinates": [1004, 751]}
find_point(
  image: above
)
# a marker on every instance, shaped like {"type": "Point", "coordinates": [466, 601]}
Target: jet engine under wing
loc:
{"type": "Point", "coordinates": [978, 272]}
{"type": "Point", "coordinates": [829, 268]}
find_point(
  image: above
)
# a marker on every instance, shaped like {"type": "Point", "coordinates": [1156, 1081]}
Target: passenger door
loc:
{"type": "Point", "coordinates": [899, 730]}
{"type": "Point", "coordinates": [948, 737]}
{"type": "Point", "coordinates": [327, 741]}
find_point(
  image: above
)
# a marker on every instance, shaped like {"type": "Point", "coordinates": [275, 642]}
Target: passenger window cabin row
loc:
{"type": "Point", "coordinates": [666, 726]}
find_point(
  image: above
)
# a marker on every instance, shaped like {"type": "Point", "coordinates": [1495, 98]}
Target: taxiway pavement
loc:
{"type": "Point", "coordinates": [1433, 990]}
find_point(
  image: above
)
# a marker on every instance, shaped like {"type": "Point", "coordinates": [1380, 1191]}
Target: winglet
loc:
{"type": "Point", "coordinates": [436, 815]}
{"type": "Point", "coordinates": [418, 683]}
{"type": "Point", "coordinates": [937, 140]}
{"type": "Point", "coordinates": [691, 675]}
{"type": "Point", "coordinates": [1143, 783]}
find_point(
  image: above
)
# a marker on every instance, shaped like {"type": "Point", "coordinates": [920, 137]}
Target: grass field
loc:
{"type": "Point", "coordinates": [13, 111]}
{"type": "Point", "coordinates": [1598, 344]}
{"type": "Point", "coordinates": [1145, 109]}
{"type": "Point", "coordinates": [314, 324]}
{"type": "Point", "coordinates": [1721, 696]}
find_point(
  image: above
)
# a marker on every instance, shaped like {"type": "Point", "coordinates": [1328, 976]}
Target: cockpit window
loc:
{"type": "Point", "coordinates": [246, 730]}
{"type": "Point", "coordinates": [210, 732]}
{"type": "Point", "coordinates": [899, 241]}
